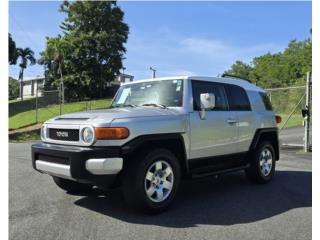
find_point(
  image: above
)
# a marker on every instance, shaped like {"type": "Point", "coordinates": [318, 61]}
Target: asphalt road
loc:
{"type": "Point", "coordinates": [225, 208]}
{"type": "Point", "coordinates": [294, 136]}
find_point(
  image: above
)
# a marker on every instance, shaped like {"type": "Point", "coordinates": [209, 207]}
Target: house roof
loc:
{"type": "Point", "coordinates": [36, 78]}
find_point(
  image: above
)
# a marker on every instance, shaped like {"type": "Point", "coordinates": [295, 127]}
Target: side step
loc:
{"type": "Point", "coordinates": [219, 172]}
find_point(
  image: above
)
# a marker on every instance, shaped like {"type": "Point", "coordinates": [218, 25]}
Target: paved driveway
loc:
{"type": "Point", "coordinates": [293, 136]}
{"type": "Point", "coordinates": [225, 208]}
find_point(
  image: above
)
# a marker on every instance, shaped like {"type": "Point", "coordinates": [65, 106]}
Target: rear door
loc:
{"type": "Point", "coordinates": [239, 103]}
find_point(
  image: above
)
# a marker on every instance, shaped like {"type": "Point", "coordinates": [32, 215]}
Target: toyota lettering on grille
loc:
{"type": "Point", "coordinates": [62, 134]}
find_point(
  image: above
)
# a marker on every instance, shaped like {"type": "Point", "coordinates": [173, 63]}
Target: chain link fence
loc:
{"type": "Point", "coordinates": [288, 103]}
{"type": "Point", "coordinates": [46, 104]}
{"type": "Point", "coordinates": [294, 105]}
{"type": "Point", "coordinates": [49, 104]}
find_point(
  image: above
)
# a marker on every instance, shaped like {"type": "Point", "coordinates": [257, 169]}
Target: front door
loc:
{"type": "Point", "coordinates": [217, 134]}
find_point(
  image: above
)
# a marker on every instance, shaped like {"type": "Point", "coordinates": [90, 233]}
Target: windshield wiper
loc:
{"type": "Point", "coordinates": [154, 105]}
{"type": "Point", "coordinates": [123, 105]}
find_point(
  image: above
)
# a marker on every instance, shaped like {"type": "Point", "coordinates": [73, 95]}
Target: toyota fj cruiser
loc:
{"type": "Point", "coordinates": [159, 131]}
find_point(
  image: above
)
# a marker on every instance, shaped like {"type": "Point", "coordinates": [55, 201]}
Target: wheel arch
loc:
{"type": "Point", "coordinates": [174, 142]}
{"type": "Point", "coordinates": [266, 134]}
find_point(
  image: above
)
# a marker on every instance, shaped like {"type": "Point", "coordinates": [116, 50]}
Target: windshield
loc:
{"type": "Point", "coordinates": [167, 93]}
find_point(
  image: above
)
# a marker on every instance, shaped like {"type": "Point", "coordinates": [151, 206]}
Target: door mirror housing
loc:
{"type": "Point", "coordinates": [207, 101]}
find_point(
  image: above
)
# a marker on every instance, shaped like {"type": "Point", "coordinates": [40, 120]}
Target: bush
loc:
{"type": "Point", "coordinates": [14, 89]}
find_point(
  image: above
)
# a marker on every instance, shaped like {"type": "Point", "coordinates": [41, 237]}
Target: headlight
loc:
{"type": "Point", "coordinates": [87, 135]}
{"type": "Point", "coordinates": [43, 132]}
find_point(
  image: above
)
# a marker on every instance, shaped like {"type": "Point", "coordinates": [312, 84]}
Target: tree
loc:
{"type": "Point", "coordinates": [96, 34]}
{"type": "Point", "coordinates": [280, 69]}
{"type": "Point", "coordinates": [240, 69]}
{"type": "Point", "coordinates": [54, 55]}
{"type": "Point", "coordinates": [268, 70]}
{"type": "Point", "coordinates": [13, 88]}
{"type": "Point", "coordinates": [12, 51]}
{"type": "Point", "coordinates": [26, 55]}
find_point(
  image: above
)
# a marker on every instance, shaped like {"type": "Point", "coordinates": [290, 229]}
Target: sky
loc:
{"type": "Point", "coordinates": [177, 38]}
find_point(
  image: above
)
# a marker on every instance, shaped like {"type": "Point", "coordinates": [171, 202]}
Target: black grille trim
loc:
{"type": "Point", "coordinates": [53, 159]}
{"type": "Point", "coordinates": [71, 135]}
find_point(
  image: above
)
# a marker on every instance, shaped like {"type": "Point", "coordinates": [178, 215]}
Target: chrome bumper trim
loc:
{"type": "Point", "coordinates": [104, 166]}
{"type": "Point", "coordinates": [54, 169]}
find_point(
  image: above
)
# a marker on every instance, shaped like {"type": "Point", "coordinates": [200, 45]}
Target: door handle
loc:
{"type": "Point", "coordinates": [231, 121]}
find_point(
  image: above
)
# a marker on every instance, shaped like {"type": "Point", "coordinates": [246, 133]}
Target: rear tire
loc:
{"type": "Point", "coordinates": [71, 186]}
{"type": "Point", "coordinates": [150, 181]}
{"type": "Point", "coordinates": [262, 164]}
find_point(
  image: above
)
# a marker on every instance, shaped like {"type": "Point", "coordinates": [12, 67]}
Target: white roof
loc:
{"type": "Point", "coordinates": [37, 78]}
{"type": "Point", "coordinates": [239, 82]}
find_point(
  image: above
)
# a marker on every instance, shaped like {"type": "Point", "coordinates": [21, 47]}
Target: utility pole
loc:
{"type": "Point", "coordinates": [37, 104]}
{"type": "Point", "coordinates": [307, 115]}
{"type": "Point", "coordinates": [153, 72]}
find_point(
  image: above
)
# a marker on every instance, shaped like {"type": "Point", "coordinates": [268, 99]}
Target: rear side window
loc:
{"type": "Point", "coordinates": [237, 98]}
{"type": "Point", "coordinates": [266, 101]}
{"type": "Point", "coordinates": [199, 87]}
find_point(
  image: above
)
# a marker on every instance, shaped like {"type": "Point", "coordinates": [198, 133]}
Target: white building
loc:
{"type": "Point", "coordinates": [31, 84]}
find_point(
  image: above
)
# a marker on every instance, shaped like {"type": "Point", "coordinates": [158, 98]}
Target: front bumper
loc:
{"type": "Point", "coordinates": [99, 166]}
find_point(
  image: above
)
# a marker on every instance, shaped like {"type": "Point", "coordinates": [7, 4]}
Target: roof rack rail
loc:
{"type": "Point", "coordinates": [234, 76]}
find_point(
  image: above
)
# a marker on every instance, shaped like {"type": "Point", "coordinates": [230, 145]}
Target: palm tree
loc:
{"type": "Point", "coordinates": [55, 52]}
{"type": "Point", "coordinates": [25, 55]}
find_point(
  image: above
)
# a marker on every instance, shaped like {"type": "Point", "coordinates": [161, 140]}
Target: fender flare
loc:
{"type": "Point", "coordinates": [138, 142]}
{"type": "Point", "coordinates": [259, 133]}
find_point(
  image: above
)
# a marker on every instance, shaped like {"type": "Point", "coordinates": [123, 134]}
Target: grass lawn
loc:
{"type": "Point", "coordinates": [20, 116]}
{"type": "Point", "coordinates": [27, 117]}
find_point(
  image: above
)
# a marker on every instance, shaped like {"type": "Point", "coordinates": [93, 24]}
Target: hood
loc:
{"type": "Point", "coordinates": [108, 115]}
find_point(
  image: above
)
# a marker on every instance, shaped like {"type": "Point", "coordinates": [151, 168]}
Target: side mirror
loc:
{"type": "Point", "coordinates": [207, 101]}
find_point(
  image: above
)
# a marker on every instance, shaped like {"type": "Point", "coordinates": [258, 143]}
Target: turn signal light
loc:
{"type": "Point", "coordinates": [278, 119]}
{"type": "Point", "coordinates": [111, 133]}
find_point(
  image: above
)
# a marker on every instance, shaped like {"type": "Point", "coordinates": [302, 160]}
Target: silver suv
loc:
{"type": "Point", "coordinates": [159, 131]}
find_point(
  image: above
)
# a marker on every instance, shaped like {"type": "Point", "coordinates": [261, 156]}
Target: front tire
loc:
{"type": "Point", "coordinates": [151, 181]}
{"type": "Point", "coordinates": [71, 186]}
{"type": "Point", "coordinates": [262, 164]}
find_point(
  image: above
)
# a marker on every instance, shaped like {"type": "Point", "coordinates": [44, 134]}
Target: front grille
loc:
{"type": "Point", "coordinates": [64, 134]}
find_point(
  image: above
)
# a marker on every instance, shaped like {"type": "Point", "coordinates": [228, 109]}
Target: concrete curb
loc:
{"type": "Point", "coordinates": [291, 146]}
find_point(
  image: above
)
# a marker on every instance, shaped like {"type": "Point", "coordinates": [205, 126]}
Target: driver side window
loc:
{"type": "Point", "coordinates": [218, 90]}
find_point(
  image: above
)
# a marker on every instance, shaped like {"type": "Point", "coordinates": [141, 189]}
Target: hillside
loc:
{"type": "Point", "coordinates": [22, 114]}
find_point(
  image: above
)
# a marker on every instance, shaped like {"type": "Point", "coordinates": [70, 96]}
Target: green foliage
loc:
{"type": "Point", "coordinates": [13, 88]}
{"type": "Point", "coordinates": [240, 69]}
{"type": "Point", "coordinates": [91, 51]}
{"type": "Point", "coordinates": [12, 51]}
{"type": "Point", "coordinates": [25, 55]}
{"type": "Point", "coordinates": [281, 69]}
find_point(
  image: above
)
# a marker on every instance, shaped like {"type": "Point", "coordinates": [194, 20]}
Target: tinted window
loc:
{"type": "Point", "coordinates": [218, 90]}
{"type": "Point", "coordinates": [266, 101]}
{"type": "Point", "coordinates": [237, 98]}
